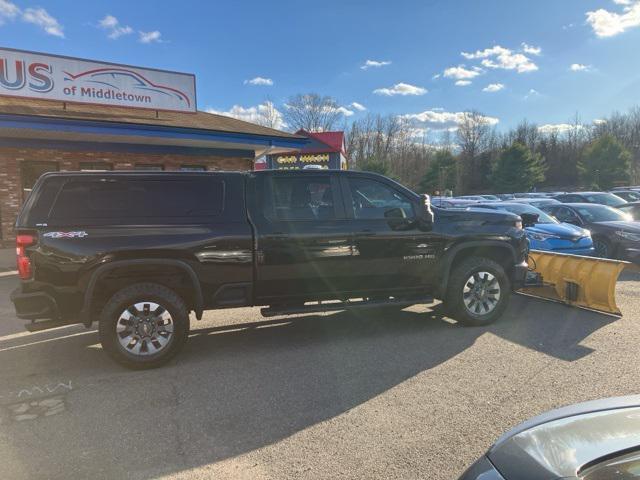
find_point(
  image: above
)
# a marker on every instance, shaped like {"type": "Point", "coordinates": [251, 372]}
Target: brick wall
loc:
{"type": "Point", "coordinates": [11, 195]}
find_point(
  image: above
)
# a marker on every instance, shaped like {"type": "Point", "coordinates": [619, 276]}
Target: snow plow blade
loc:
{"type": "Point", "coordinates": [586, 282]}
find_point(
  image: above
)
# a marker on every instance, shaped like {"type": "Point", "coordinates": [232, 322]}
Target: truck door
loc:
{"type": "Point", "coordinates": [302, 237]}
{"type": "Point", "coordinates": [391, 253]}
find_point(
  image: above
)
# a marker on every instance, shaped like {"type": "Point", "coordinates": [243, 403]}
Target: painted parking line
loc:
{"type": "Point", "coordinates": [8, 274]}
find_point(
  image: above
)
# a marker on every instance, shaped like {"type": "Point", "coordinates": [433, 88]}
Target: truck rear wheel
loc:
{"type": "Point", "coordinates": [143, 325]}
{"type": "Point", "coordinates": [478, 291]}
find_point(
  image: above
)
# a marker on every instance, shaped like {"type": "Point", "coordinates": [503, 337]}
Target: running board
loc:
{"type": "Point", "coordinates": [338, 306]}
{"type": "Point", "coordinates": [38, 326]}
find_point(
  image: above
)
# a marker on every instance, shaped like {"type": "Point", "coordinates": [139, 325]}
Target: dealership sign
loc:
{"type": "Point", "coordinates": [51, 77]}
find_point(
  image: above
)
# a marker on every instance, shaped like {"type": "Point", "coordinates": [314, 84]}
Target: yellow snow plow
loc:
{"type": "Point", "coordinates": [586, 282]}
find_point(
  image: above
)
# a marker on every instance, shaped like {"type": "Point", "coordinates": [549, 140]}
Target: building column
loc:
{"type": "Point", "coordinates": [10, 198]}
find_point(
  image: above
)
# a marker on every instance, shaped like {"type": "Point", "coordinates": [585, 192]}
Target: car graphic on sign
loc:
{"type": "Point", "coordinates": [122, 79]}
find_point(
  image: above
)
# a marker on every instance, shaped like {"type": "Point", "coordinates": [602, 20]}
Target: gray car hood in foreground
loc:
{"type": "Point", "coordinates": [559, 443]}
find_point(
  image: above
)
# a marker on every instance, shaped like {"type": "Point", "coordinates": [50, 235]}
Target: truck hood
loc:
{"type": "Point", "coordinates": [481, 215]}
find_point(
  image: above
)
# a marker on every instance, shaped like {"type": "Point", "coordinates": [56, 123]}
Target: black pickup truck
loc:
{"type": "Point", "coordinates": [138, 252]}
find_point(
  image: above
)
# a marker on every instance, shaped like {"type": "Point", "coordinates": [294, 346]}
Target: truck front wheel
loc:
{"type": "Point", "coordinates": [143, 325]}
{"type": "Point", "coordinates": [478, 291]}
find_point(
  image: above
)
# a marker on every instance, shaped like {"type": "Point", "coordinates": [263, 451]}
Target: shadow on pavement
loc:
{"type": "Point", "coordinates": [237, 388]}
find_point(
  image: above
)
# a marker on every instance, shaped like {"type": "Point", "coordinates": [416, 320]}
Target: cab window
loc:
{"type": "Point", "coordinates": [301, 198]}
{"type": "Point", "coordinates": [372, 200]}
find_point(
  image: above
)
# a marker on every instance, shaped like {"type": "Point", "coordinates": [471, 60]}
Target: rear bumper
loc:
{"type": "Point", "coordinates": [518, 275]}
{"type": "Point", "coordinates": [34, 306]}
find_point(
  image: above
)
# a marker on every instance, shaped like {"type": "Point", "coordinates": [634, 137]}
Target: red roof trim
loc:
{"type": "Point", "coordinates": [333, 140]}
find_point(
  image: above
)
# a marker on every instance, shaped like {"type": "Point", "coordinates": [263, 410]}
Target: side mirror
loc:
{"type": "Point", "coordinates": [426, 214]}
{"type": "Point", "coordinates": [529, 219]}
{"type": "Point", "coordinates": [397, 219]}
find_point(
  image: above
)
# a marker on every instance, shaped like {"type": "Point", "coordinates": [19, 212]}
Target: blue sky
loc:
{"type": "Point", "coordinates": [517, 55]}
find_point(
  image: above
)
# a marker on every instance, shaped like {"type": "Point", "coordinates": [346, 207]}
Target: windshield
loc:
{"type": "Point", "coordinates": [630, 196]}
{"type": "Point", "coordinates": [602, 213]}
{"type": "Point", "coordinates": [520, 208]}
{"type": "Point", "coordinates": [605, 199]}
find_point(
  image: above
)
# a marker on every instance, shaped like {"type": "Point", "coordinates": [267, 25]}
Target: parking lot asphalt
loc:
{"type": "Point", "coordinates": [406, 395]}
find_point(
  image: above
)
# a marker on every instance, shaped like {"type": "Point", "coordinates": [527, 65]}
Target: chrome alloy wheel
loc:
{"type": "Point", "coordinates": [144, 328]}
{"type": "Point", "coordinates": [481, 293]}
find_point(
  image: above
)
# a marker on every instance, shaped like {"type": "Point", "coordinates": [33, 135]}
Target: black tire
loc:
{"type": "Point", "coordinates": [486, 274]}
{"type": "Point", "coordinates": [151, 352]}
{"type": "Point", "coordinates": [602, 247]}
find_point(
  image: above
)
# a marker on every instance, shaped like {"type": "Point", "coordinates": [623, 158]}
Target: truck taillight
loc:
{"type": "Point", "coordinates": [24, 262]}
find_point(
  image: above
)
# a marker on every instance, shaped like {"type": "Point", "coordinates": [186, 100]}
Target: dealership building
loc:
{"type": "Point", "coordinates": [59, 113]}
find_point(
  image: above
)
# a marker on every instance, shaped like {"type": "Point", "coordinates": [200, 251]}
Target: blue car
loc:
{"type": "Point", "coordinates": [548, 234]}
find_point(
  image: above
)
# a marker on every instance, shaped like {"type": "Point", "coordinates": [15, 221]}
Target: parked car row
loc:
{"type": "Point", "coordinates": [614, 233]}
{"type": "Point", "coordinates": [547, 233]}
{"type": "Point", "coordinates": [580, 223]}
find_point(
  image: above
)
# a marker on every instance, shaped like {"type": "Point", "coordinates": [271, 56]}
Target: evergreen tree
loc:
{"type": "Point", "coordinates": [375, 167]}
{"type": "Point", "coordinates": [441, 174]}
{"type": "Point", "coordinates": [518, 169]}
{"type": "Point", "coordinates": [605, 163]}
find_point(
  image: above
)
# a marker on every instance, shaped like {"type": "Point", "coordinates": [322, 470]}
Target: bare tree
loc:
{"type": "Point", "coordinates": [311, 112]}
{"type": "Point", "coordinates": [473, 127]}
{"type": "Point", "coordinates": [269, 115]}
{"type": "Point", "coordinates": [390, 145]}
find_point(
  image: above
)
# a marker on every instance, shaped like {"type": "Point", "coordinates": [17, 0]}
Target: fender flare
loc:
{"type": "Point", "coordinates": [85, 313]}
{"type": "Point", "coordinates": [450, 255]}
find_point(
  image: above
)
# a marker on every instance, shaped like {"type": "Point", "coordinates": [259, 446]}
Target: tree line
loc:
{"type": "Point", "coordinates": [476, 157]}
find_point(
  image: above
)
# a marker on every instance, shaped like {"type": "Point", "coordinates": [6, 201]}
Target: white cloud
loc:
{"type": "Point", "coordinates": [41, 18]}
{"type": "Point", "coordinates": [599, 121]}
{"type": "Point", "coordinates": [558, 128]}
{"type": "Point", "coordinates": [8, 11]}
{"type": "Point", "coordinates": [150, 37]}
{"type": "Point", "coordinates": [358, 106]}
{"type": "Point", "coordinates": [530, 49]}
{"type": "Point", "coordinates": [462, 73]}
{"type": "Point", "coordinates": [345, 111]}
{"type": "Point", "coordinates": [503, 58]}
{"type": "Point", "coordinates": [113, 26]}
{"type": "Point", "coordinates": [606, 23]}
{"type": "Point", "coordinates": [579, 67]}
{"type": "Point", "coordinates": [493, 87]}
{"type": "Point", "coordinates": [259, 81]}
{"type": "Point", "coordinates": [531, 94]}
{"type": "Point", "coordinates": [441, 120]}
{"type": "Point", "coordinates": [264, 114]}
{"type": "Point", "coordinates": [374, 64]}
{"type": "Point", "coordinates": [463, 83]}
{"type": "Point", "coordinates": [401, 89]}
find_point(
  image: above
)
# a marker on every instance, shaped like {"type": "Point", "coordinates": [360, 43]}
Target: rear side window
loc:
{"type": "Point", "coordinates": [138, 201]}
